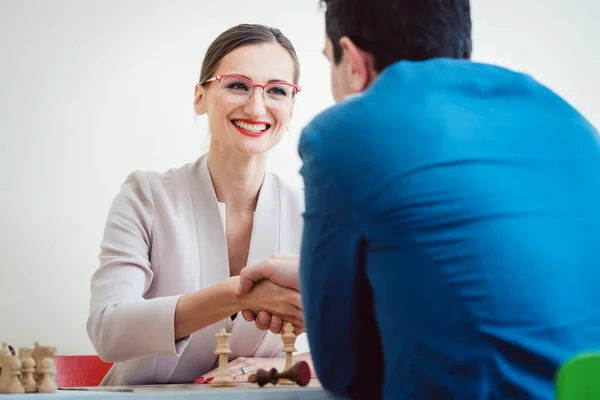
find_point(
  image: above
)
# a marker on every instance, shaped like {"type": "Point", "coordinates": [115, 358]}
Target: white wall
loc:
{"type": "Point", "coordinates": [90, 90]}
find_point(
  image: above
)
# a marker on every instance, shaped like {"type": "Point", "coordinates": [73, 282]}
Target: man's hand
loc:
{"type": "Point", "coordinates": [281, 269]}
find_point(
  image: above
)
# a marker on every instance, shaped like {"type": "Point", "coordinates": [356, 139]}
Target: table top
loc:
{"type": "Point", "coordinates": [242, 390]}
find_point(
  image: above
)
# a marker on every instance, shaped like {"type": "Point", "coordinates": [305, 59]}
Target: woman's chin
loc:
{"type": "Point", "coordinates": [255, 146]}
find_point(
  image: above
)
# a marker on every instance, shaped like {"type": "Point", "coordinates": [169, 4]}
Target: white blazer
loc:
{"type": "Point", "coordinates": [165, 237]}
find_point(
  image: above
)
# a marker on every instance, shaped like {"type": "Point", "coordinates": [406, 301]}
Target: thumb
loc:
{"type": "Point", "coordinates": [250, 275]}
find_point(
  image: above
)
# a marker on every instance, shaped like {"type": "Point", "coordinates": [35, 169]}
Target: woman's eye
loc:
{"type": "Point", "coordinates": [278, 91]}
{"type": "Point", "coordinates": [237, 86]}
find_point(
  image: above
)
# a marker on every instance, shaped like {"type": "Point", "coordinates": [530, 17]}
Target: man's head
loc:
{"type": "Point", "coordinates": [366, 36]}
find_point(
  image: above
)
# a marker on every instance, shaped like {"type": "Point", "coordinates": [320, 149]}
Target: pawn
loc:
{"type": "Point", "coordinates": [27, 372]}
{"type": "Point", "coordinates": [10, 381]}
{"type": "Point", "coordinates": [47, 371]}
{"type": "Point", "coordinates": [262, 377]}
{"type": "Point", "coordinates": [298, 374]}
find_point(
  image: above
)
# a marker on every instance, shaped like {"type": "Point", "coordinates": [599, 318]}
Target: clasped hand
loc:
{"type": "Point", "coordinates": [270, 293]}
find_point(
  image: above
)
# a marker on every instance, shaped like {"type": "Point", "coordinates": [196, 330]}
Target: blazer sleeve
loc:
{"type": "Point", "coordinates": [122, 324]}
{"type": "Point", "coordinates": [337, 302]}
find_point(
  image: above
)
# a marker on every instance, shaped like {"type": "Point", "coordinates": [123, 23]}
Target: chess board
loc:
{"type": "Point", "coordinates": [242, 390]}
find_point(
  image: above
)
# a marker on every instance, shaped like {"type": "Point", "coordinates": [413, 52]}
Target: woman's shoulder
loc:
{"type": "Point", "coordinates": [152, 184]}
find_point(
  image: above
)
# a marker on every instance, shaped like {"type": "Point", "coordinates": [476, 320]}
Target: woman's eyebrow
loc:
{"type": "Point", "coordinates": [269, 81]}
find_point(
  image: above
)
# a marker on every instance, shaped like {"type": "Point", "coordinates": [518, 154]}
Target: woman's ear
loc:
{"type": "Point", "coordinates": [359, 65]}
{"type": "Point", "coordinates": [199, 99]}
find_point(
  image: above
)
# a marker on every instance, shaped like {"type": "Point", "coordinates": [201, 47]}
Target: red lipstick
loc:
{"type": "Point", "coordinates": [251, 123]}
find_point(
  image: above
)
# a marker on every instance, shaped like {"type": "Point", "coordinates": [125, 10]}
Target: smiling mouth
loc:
{"type": "Point", "coordinates": [249, 128]}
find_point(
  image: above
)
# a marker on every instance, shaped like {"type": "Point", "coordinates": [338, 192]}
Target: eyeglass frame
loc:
{"type": "Point", "coordinates": [219, 77]}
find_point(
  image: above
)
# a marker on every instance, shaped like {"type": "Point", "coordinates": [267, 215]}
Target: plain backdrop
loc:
{"type": "Point", "coordinates": [93, 89]}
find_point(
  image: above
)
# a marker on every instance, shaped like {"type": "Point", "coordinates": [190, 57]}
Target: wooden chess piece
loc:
{"type": "Point", "coordinates": [262, 377]}
{"type": "Point", "coordinates": [299, 374]}
{"type": "Point", "coordinates": [38, 354]}
{"type": "Point", "coordinates": [223, 378]}
{"type": "Point", "coordinates": [27, 370]}
{"type": "Point", "coordinates": [47, 374]}
{"type": "Point", "coordinates": [289, 339]}
{"type": "Point", "coordinates": [10, 380]}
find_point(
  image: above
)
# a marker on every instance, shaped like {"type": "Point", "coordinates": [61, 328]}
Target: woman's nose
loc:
{"type": "Point", "coordinates": [255, 106]}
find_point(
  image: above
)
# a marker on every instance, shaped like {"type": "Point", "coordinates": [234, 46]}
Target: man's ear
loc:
{"type": "Point", "coordinates": [199, 99]}
{"type": "Point", "coordinates": [360, 65]}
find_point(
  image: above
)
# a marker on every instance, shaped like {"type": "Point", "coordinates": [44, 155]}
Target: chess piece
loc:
{"type": "Point", "coordinates": [262, 377]}
{"type": "Point", "coordinates": [289, 339]}
{"type": "Point", "coordinates": [223, 378]}
{"type": "Point", "coordinates": [10, 380]}
{"type": "Point", "coordinates": [4, 352]}
{"type": "Point", "coordinates": [27, 370]}
{"type": "Point", "coordinates": [38, 354]}
{"type": "Point", "coordinates": [299, 374]}
{"type": "Point", "coordinates": [47, 374]}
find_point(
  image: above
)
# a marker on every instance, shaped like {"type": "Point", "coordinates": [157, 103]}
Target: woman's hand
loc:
{"type": "Point", "coordinates": [249, 365]}
{"type": "Point", "coordinates": [281, 269]}
{"type": "Point", "coordinates": [283, 302]}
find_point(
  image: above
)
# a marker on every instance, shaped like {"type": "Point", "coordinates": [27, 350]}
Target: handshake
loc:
{"type": "Point", "coordinates": [271, 293]}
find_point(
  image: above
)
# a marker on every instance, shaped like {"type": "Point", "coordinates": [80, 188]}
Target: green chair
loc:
{"type": "Point", "coordinates": [579, 378]}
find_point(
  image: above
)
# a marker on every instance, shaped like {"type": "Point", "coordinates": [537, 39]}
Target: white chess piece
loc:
{"type": "Point", "coordinates": [27, 371]}
{"type": "Point", "coordinates": [223, 378]}
{"type": "Point", "coordinates": [10, 380]}
{"type": "Point", "coordinates": [289, 339]}
{"type": "Point", "coordinates": [47, 372]}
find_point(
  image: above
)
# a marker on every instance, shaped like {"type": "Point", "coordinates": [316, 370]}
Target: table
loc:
{"type": "Point", "coordinates": [243, 390]}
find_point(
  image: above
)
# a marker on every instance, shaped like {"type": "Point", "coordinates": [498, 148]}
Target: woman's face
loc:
{"type": "Point", "coordinates": [242, 123]}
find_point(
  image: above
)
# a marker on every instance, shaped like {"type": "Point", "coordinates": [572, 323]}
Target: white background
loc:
{"type": "Point", "coordinates": [91, 90]}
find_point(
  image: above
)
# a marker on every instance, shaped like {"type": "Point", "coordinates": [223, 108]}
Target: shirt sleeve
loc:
{"type": "Point", "coordinates": [122, 324]}
{"type": "Point", "coordinates": [337, 304]}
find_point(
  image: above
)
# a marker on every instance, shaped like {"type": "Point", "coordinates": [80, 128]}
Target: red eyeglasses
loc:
{"type": "Point", "coordinates": [238, 89]}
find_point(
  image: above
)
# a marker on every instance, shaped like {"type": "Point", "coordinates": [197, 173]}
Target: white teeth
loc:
{"type": "Point", "coordinates": [250, 127]}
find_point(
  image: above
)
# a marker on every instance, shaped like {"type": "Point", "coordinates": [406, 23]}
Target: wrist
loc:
{"type": "Point", "coordinates": [197, 310]}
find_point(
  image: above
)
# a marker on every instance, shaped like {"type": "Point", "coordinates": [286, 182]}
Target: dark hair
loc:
{"type": "Point", "coordinates": [395, 30]}
{"type": "Point", "coordinates": [242, 35]}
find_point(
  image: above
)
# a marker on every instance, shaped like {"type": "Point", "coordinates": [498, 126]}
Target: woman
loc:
{"type": "Point", "coordinates": [175, 242]}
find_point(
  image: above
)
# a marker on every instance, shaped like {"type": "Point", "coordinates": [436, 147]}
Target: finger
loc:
{"type": "Point", "coordinates": [252, 274]}
{"type": "Point", "coordinates": [276, 324]}
{"type": "Point", "coordinates": [248, 315]}
{"type": "Point", "coordinates": [293, 256]}
{"type": "Point", "coordinates": [263, 320]}
{"type": "Point", "coordinates": [294, 320]}
{"type": "Point", "coordinates": [209, 374]}
{"type": "Point", "coordinates": [244, 368]}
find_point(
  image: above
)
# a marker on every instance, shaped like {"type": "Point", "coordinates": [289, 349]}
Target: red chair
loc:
{"type": "Point", "coordinates": [77, 371]}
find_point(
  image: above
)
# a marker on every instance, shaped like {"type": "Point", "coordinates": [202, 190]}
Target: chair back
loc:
{"type": "Point", "coordinates": [77, 371]}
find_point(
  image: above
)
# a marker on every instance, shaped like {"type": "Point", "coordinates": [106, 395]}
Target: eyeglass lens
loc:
{"type": "Point", "coordinates": [239, 90]}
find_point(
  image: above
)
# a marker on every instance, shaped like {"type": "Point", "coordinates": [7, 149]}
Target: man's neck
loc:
{"type": "Point", "coordinates": [237, 178]}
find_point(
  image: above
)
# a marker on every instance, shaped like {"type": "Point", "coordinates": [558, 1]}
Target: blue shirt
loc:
{"type": "Point", "coordinates": [451, 236]}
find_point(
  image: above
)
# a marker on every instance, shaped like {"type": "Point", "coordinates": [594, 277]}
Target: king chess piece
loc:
{"type": "Point", "coordinates": [289, 340]}
{"type": "Point", "coordinates": [223, 378]}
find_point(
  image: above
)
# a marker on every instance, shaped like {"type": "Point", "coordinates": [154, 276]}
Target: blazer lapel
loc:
{"type": "Point", "coordinates": [263, 244]}
{"type": "Point", "coordinates": [212, 243]}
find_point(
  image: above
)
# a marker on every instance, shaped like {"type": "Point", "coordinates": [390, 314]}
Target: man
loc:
{"type": "Point", "coordinates": [452, 215]}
